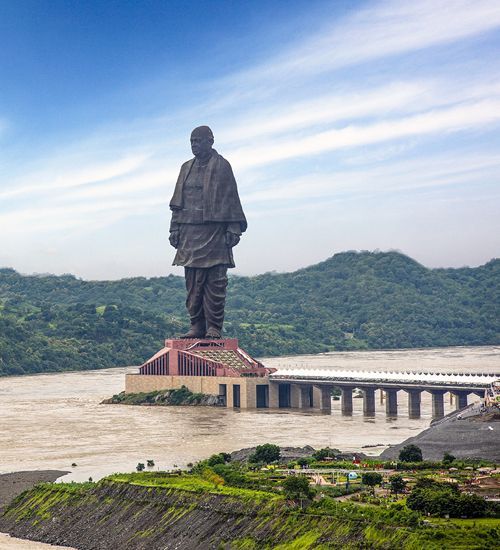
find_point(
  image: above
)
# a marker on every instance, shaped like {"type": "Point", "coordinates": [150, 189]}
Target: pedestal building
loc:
{"type": "Point", "coordinates": [216, 367]}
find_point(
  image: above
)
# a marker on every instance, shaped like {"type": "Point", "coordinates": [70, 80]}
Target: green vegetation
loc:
{"type": "Point", "coordinates": [297, 488]}
{"type": "Point", "coordinates": [158, 507]}
{"type": "Point", "coordinates": [397, 484]}
{"type": "Point", "coordinates": [266, 454]}
{"type": "Point", "coordinates": [326, 452]}
{"type": "Point", "coordinates": [180, 396]}
{"type": "Point", "coordinates": [444, 499]}
{"type": "Point", "coordinates": [410, 453]}
{"type": "Point", "coordinates": [371, 479]}
{"type": "Point", "coordinates": [448, 458]}
{"type": "Point", "coordinates": [350, 301]}
{"type": "Point", "coordinates": [203, 482]}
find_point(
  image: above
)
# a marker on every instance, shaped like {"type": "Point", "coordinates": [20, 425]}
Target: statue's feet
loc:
{"type": "Point", "coordinates": [213, 333]}
{"type": "Point", "coordinates": [197, 330]}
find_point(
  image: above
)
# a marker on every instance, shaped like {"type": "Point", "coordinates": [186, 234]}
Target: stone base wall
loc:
{"type": "Point", "coordinates": [213, 385]}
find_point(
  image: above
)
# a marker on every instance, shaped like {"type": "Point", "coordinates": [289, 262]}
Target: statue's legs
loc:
{"type": "Point", "coordinates": [194, 302]}
{"type": "Point", "coordinates": [214, 299]}
{"type": "Point", "coordinates": [206, 298]}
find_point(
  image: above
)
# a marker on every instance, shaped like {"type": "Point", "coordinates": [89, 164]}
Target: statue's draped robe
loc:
{"type": "Point", "coordinates": [206, 205]}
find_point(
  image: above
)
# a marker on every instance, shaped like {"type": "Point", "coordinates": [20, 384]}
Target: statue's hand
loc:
{"type": "Point", "coordinates": [232, 239]}
{"type": "Point", "coordinates": [174, 238]}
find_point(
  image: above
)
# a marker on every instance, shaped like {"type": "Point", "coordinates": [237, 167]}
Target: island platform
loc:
{"type": "Point", "coordinates": [216, 367]}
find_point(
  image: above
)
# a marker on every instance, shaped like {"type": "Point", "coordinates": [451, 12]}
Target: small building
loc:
{"type": "Point", "coordinates": [215, 367]}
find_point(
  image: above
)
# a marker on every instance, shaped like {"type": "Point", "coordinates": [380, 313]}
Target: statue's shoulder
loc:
{"type": "Point", "coordinates": [187, 164]}
{"type": "Point", "coordinates": [222, 161]}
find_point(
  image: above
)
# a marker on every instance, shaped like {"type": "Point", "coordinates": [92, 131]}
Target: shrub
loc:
{"type": "Point", "coordinates": [448, 458]}
{"type": "Point", "coordinates": [266, 453]}
{"type": "Point", "coordinates": [371, 479]}
{"type": "Point", "coordinates": [410, 453]}
{"type": "Point", "coordinates": [321, 454]}
{"type": "Point", "coordinates": [397, 484]}
{"type": "Point", "coordinates": [297, 488]}
{"type": "Point", "coordinates": [216, 459]}
{"type": "Point", "coordinates": [442, 499]}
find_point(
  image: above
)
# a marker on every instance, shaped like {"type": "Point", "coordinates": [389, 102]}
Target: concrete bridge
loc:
{"type": "Point", "coordinates": [311, 388]}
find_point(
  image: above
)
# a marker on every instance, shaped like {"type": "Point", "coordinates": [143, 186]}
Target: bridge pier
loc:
{"type": "Point", "coordinates": [460, 399]}
{"type": "Point", "coordinates": [295, 396]}
{"type": "Point", "coordinates": [305, 401]}
{"type": "Point", "coordinates": [301, 396]}
{"type": "Point", "coordinates": [391, 402]}
{"type": "Point", "coordinates": [414, 399]}
{"type": "Point", "coordinates": [369, 401]}
{"type": "Point", "coordinates": [274, 396]}
{"type": "Point", "coordinates": [346, 400]}
{"type": "Point", "coordinates": [437, 403]}
{"type": "Point", "coordinates": [322, 398]}
{"type": "Point", "coordinates": [315, 392]}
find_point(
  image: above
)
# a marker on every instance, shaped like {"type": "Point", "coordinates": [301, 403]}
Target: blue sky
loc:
{"type": "Point", "coordinates": [349, 125]}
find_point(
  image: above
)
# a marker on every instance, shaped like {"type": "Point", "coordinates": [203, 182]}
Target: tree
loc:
{"type": "Point", "coordinates": [266, 453]}
{"type": "Point", "coordinates": [448, 458]}
{"type": "Point", "coordinates": [441, 499]}
{"type": "Point", "coordinates": [297, 488]}
{"type": "Point", "coordinates": [140, 466]}
{"type": "Point", "coordinates": [410, 453]}
{"type": "Point", "coordinates": [216, 459]}
{"type": "Point", "coordinates": [371, 479]}
{"type": "Point", "coordinates": [397, 484]}
{"type": "Point", "coordinates": [321, 454]}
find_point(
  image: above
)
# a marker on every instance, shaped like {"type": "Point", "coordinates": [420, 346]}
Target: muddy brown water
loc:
{"type": "Point", "coordinates": [51, 421]}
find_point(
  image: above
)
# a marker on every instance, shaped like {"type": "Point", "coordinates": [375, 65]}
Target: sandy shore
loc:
{"type": "Point", "coordinates": [9, 543]}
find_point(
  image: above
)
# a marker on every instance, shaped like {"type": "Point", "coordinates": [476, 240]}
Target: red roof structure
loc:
{"type": "Point", "coordinates": [194, 357]}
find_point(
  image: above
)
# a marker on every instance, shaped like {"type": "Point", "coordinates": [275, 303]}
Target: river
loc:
{"type": "Point", "coordinates": [51, 421]}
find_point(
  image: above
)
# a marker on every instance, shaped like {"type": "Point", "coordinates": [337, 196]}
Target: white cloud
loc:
{"type": "Point", "coordinates": [381, 30]}
{"type": "Point", "coordinates": [64, 176]}
{"type": "Point", "coordinates": [430, 172]}
{"type": "Point", "coordinates": [452, 119]}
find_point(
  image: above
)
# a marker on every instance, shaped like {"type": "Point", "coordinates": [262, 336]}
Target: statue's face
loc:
{"type": "Point", "coordinates": [201, 145]}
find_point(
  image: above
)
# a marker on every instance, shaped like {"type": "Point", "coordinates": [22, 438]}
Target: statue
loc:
{"type": "Point", "coordinates": [207, 222]}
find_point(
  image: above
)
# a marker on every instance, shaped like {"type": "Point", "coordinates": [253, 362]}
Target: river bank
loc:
{"type": "Point", "coordinates": [242, 509]}
{"type": "Point", "coordinates": [461, 433]}
{"type": "Point", "coordinates": [14, 483]}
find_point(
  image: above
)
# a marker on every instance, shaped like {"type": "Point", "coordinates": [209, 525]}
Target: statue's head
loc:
{"type": "Point", "coordinates": [202, 140]}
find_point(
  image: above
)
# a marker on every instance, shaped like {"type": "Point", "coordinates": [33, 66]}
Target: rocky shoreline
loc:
{"type": "Point", "coordinates": [464, 434]}
{"type": "Point", "coordinates": [175, 397]}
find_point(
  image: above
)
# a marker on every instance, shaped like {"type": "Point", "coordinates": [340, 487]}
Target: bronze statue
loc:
{"type": "Point", "coordinates": [207, 221]}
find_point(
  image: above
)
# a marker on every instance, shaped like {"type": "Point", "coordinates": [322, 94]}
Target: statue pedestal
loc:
{"type": "Point", "coordinates": [216, 367]}
{"type": "Point", "coordinates": [203, 357]}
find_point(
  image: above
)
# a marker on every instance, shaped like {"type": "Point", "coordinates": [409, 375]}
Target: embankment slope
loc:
{"type": "Point", "coordinates": [129, 515]}
{"type": "Point", "coordinates": [466, 437]}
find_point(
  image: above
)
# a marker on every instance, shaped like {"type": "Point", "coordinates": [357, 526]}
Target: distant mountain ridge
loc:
{"type": "Point", "coordinates": [353, 300]}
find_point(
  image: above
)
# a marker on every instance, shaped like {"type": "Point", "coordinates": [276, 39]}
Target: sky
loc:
{"type": "Point", "coordinates": [350, 125]}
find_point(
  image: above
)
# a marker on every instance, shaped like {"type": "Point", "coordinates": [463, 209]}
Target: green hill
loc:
{"type": "Point", "coordinates": [366, 300]}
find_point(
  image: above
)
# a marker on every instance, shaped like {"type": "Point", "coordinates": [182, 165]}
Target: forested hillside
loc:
{"type": "Point", "coordinates": [350, 301]}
